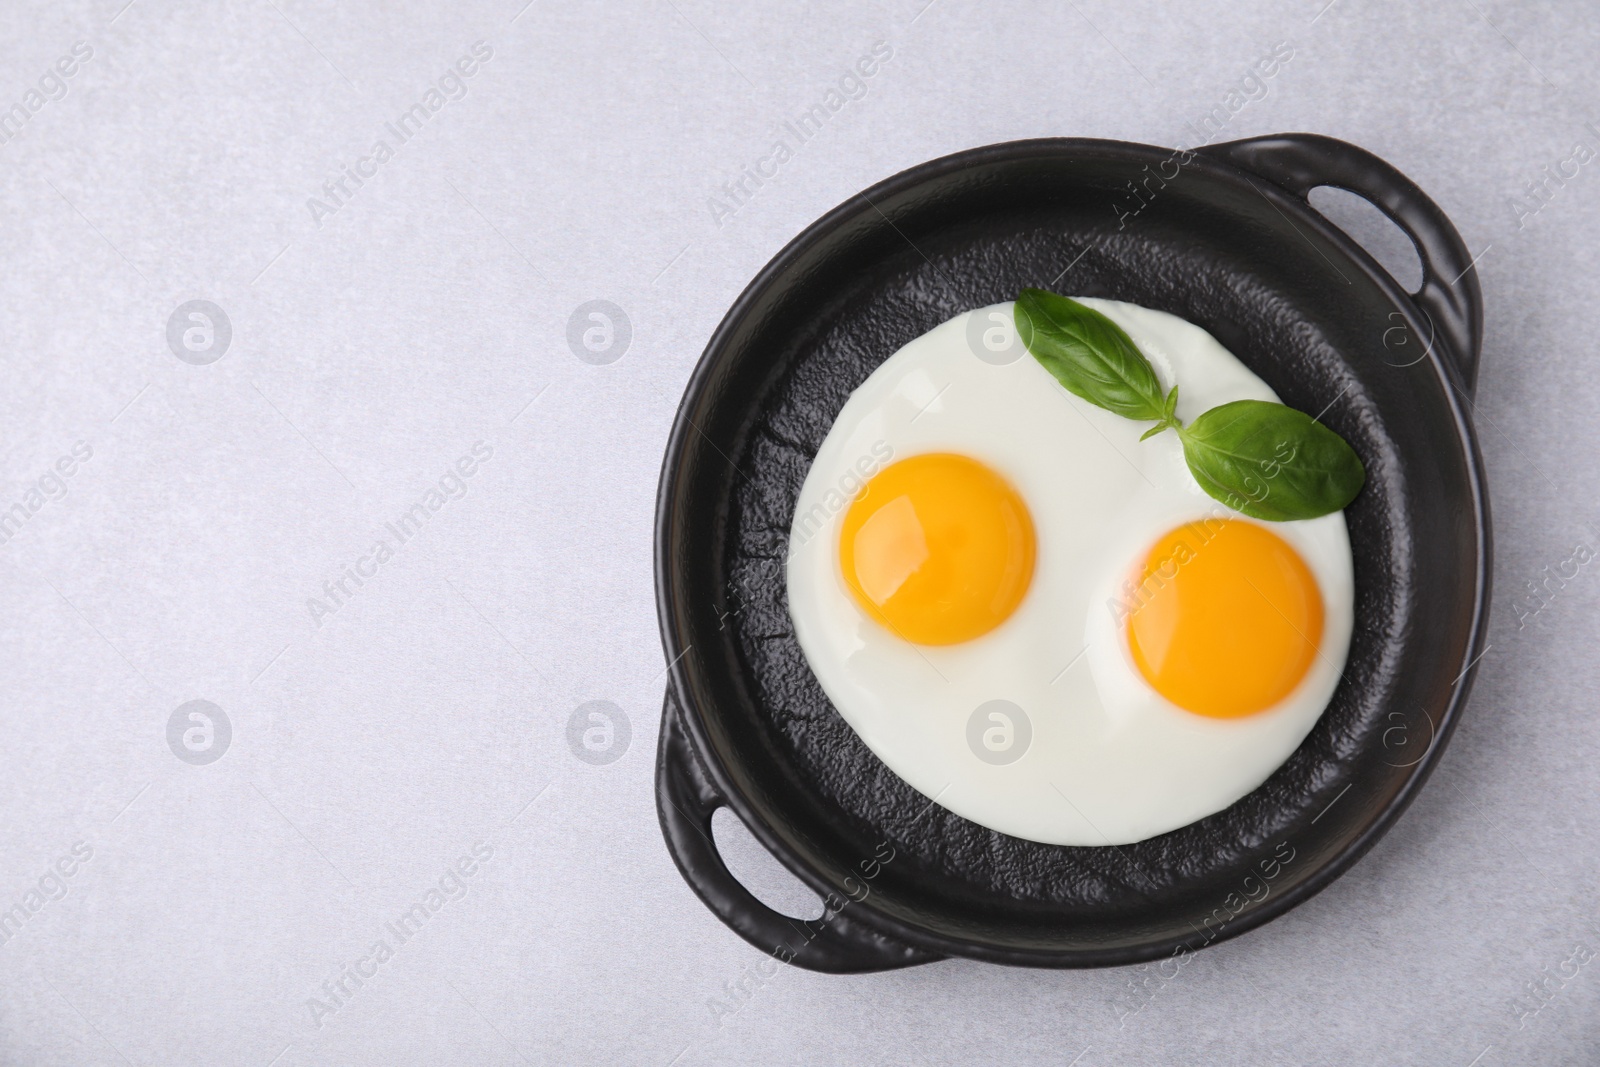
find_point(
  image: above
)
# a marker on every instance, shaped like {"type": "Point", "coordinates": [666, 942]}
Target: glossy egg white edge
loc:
{"type": "Point", "coordinates": [1084, 751]}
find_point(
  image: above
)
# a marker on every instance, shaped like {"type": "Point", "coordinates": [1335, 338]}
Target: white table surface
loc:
{"type": "Point", "coordinates": [374, 345]}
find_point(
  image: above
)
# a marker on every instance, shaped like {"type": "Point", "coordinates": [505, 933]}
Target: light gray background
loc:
{"type": "Point", "coordinates": [430, 712]}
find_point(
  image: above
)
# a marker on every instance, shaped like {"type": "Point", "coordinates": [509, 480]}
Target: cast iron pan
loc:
{"type": "Point", "coordinates": [1223, 237]}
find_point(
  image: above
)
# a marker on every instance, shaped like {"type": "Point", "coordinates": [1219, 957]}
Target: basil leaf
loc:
{"type": "Point", "coordinates": [1090, 355]}
{"type": "Point", "coordinates": [1270, 461]}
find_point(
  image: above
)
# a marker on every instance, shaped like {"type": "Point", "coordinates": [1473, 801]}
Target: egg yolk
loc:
{"type": "Point", "coordinates": [938, 548]}
{"type": "Point", "coordinates": [1226, 619]}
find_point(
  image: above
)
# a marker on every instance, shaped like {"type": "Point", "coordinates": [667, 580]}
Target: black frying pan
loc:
{"type": "Point", "coordinates": [1223, 237]}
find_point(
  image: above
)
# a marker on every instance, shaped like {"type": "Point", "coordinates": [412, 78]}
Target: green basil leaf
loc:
{"type": "Point", "coordinates": [1270, 461]}
{"type": "Point", "coordinates": [1090, 355]}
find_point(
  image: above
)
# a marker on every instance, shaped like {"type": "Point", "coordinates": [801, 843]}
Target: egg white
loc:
{"type": "Point", "coordinates": [1109, 760]}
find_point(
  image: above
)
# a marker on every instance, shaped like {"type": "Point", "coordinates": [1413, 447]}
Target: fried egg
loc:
{"type": "Point", "coordinates": [1042, 623]}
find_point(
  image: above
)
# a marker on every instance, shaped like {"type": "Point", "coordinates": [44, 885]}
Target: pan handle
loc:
{"type": "Point", "coordinates": [686, 799]}
{"type": "Point", "coordinates": [1450, 296]}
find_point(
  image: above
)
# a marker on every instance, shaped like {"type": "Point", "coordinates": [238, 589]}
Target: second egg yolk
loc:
{"type": "Point", "coordinates": [938, 548]}
{"type": "Point", "coordinates": [1226, 619]}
